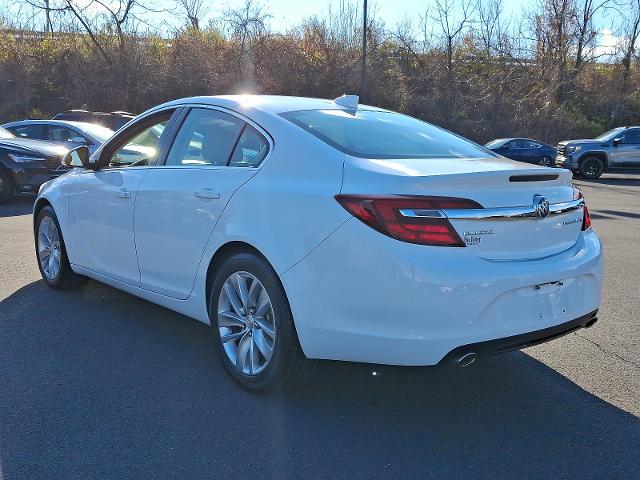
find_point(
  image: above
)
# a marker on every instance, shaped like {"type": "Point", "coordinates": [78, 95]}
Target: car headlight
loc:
{"type": "Point", "coordinates": [574, 148]}
{"type": "Point", "coordinates": [25, 158]}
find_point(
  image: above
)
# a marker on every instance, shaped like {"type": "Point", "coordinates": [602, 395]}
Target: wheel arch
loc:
{"type": "Point", "coordinates": [225, 251]}
{"type": "Point", "coordinates": [40, 203]}
{"type": "Point", "coordinates": [598, 154]}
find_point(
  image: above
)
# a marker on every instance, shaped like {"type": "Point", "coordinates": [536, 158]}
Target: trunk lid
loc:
{"type": "Point", "coordinates": [495, 183]}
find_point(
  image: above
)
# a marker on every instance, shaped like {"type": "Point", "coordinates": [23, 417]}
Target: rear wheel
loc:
{"type": "Point", "coordinates": [253, 327]}
{"type": "Point", "coordinates": [591, 168]}
{"type": "Point", "coordinates": [51, 253]}
{"type": "Point", "coordinates": [545, 161]}
{"type": "Point", "coordinates": [6, 186]}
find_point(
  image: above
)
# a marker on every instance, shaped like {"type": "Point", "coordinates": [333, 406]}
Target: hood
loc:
{"type": "Point", "coordinates": [581, 141]}
{"type": "Point", "coordinates": [41, 147]}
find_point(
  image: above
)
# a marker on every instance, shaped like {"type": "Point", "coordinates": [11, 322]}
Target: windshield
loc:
{"type": "Point", "coordinates": [100, 133]}
{"type": "Point", "coordinates": [4, 133]}
{"type": "Point", "coordinates": [610, 134]}
{"type": "Point", "coordinates": [497, 143]}
{"type": "Point", "coordinates": [374, 134]}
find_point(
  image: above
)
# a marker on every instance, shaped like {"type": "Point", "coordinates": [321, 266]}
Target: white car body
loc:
{"type": "Point", "coordinates": [355, 293]}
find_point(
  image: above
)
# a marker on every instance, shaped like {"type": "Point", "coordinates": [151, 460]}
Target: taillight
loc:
{"type": "Point", "coordinates": [414, 219]}
{"type": "Point", "coordinates": [586, 219]}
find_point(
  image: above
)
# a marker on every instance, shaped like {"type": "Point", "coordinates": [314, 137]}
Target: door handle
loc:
{"type": "Point", "coordinates": [123, 193]}
{"type": "Point", "coordinates": [207, 193]}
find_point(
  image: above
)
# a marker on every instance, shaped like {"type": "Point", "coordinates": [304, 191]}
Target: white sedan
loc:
{"type": "Point", "coordinates": [304, 229]}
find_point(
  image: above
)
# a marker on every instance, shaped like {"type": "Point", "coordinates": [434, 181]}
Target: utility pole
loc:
{"type": "Point", "coordinates": [363, 71]}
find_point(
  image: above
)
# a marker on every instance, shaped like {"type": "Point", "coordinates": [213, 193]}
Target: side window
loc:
{"type": "Point", "coordinates": [532, 144]}
{"type": "Point", "coordinates": [27, 131]}
{"type": "Point", "coordinates": [631, 137]}
{"type": "Point", "coordinates": [206, 137]}
{"type": "Point", "coordinates": [61, 134]}
{"type": "Point", "coordinates": [143, 147]}
{"type": "Point", "coordinates": [515, 144]}
{"type": "Point", "coordinates": [250, 150]}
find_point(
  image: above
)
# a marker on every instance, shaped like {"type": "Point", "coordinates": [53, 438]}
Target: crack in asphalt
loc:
{"type": "Point", "coordinates": [613, 354]}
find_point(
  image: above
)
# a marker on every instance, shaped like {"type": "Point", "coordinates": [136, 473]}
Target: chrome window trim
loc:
{"type": "Point", "coordinates": [500, 213]}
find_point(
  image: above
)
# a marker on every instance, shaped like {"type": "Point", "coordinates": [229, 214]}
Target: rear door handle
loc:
{"type": "Point", "coordinates": [123, 193]}
{"type": "Point", "coordinates": [207, 193]}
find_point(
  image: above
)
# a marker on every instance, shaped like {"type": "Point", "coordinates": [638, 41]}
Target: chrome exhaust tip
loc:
{"type": "Point", "coordinates": [466, 359]}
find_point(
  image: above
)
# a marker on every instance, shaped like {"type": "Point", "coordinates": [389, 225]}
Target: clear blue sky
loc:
{"type": "Point", "coordinates": [286, 13]}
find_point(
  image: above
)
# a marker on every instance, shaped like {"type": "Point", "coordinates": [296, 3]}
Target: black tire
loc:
{"type": "Point", "coordinates": [6, 186]}
{"type": "Point", "coordinates": [591, 168]}
{"type": "Point", "coordinates": [288, 365]}
{"type": "Point", "coordinates": [545, 161]}
{"type": "Point", "coordinates": [65, 277]}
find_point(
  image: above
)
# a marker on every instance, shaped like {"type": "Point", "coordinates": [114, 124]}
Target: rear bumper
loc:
{"type": "Point", "coordinates": [364, 297]}
{"type": "Point", "coordinates": [465, 354]}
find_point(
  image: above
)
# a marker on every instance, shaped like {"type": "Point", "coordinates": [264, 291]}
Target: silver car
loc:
{"type": "Point", "coordinates": [68, 133]}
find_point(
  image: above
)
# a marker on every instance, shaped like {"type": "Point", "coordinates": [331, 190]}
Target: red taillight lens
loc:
{"type": "Point", "coordinates": [384, 214]}
{"type": "Point", "coordinates": [586, 219]}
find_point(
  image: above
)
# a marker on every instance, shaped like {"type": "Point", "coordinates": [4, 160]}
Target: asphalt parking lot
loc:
{"type": "Point", "coordinates": [95, 383]}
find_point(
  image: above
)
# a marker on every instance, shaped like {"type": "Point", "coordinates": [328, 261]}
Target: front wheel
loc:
{"type": "Point", "coordinates": [591, 168]}
{"type": "Point", "coordinates": [51, 253]}
{"type": "Point", "coordinates": [253, 327]}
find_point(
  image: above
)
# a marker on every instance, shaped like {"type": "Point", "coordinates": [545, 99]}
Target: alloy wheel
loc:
{"type": "Point", "coordinates": [545, 162]}
{"type": "Point", "coordinates": [592, 168]}
{"type": "Point", "coordinates": [49, 249]}
{"type": "Point", "coordinates": [246, 323]}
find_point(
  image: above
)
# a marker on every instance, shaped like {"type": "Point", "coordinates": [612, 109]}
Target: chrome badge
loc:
{"type": "Point", "coordinates": [541, 206]}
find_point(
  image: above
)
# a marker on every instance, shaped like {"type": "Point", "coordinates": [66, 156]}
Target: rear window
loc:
{"type": "Point", "coordinates": [374, 134]}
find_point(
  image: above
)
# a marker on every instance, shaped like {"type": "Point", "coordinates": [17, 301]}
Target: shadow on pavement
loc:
{"type": "Point", "coordinates": [99, 384]}
{"type": "Point", "coordinates": [20, 205]}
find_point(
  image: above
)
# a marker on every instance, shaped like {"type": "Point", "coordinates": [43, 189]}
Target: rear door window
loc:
{"type": "Point", "coordinates": [251, 149]}
{"type": "Point", "coordinates": [57, 133]}
{"type": "Point", "coordinates": [207, 137]}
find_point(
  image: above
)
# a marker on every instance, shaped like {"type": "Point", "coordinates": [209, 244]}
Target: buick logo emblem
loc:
{"type": "Point", "coordinates": [541, 206]}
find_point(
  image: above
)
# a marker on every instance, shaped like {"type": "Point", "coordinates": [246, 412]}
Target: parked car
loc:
{"type": "Point", "coordinates": [305, 229]}
{"type": "Point", "coordinates": [524, 150]}
{"type": "Point", "coordinates": [617, 148]}
{"type": "Point", "coordinates": [26, 164]}
{"type": "Point", "coordinates": [69, 133]}
{"type": "Point", "coordinates": [113, 120]}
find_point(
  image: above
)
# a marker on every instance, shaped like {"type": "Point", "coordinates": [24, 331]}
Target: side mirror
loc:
{"type": "Point", "coordinates": [78, 157]}
{"type": "Point", "coordinates": [79, 139]}
{"type": "Point", "coordinates": [617, 141]}
{"type": "Point", "coordinates": [506, 146]}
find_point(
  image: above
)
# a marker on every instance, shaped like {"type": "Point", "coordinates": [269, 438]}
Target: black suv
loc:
{"type": "Point", "coordinates": [113, 120]}
{"type": "Point", "coordinates": [26, 164]}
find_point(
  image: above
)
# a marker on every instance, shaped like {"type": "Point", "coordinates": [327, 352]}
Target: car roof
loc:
{"type": "Point", "coordinates": [59, 123]}
{"type": "Point", "coordinates": [268, 103]}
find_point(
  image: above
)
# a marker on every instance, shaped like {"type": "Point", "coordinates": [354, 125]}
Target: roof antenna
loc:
{"type": "Point", "coordinates": [348, 101]}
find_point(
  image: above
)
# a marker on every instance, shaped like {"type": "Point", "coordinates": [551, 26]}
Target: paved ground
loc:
{"type": "Point", "coordinates": [98, 384]}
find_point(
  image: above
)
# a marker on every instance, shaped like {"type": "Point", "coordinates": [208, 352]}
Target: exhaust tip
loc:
{"type": "Point", "coordinates": [466, 359]}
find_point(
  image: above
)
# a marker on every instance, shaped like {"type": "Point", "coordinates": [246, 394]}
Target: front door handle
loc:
{"type": "Point", "coordinates": [123, 193]}
{"type": "Point", "coordinates": [207, 193]}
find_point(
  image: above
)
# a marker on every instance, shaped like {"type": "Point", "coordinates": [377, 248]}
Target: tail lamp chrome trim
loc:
{"type": "Point", "coordinates": [501, 213]}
